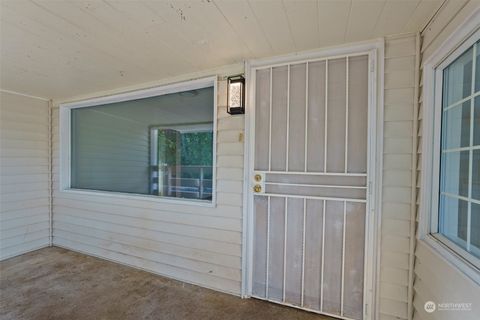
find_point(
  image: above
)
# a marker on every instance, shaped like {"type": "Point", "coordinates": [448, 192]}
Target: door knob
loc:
{"type": "Point", "coordinates": [257, 188]}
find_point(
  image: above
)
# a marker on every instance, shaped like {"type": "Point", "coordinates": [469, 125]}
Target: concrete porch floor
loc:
{"type": "Point", "coordinates": [55, 283]}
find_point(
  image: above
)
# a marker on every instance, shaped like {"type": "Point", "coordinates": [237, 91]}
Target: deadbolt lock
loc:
{"type": "Point", "coordinates": [258, 177]}
{"type": "Point", "coordinates": [257, 188]}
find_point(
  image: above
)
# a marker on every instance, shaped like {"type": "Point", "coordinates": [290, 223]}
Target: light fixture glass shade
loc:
{"type": "Point", "coordinates": [236, 95]}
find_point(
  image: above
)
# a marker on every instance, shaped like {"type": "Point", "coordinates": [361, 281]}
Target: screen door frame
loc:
{"type": "Point", "coordinates": [375, 51]}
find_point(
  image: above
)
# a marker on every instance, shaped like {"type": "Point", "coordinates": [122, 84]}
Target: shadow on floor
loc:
{"type": "Point", "coordinates": [55, 283]}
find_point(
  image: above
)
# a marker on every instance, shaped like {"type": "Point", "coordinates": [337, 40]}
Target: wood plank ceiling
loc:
{"type": "Point", "coordinates": [59, 49]}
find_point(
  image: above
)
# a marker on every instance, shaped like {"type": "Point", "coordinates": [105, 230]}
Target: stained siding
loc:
{"type": "Point", "coordinates": [436, 279]}
{"type": "Point", "coordinates": [397, 172]}
{"type": "Point", "coordinates": [200, 245]}
{"type": "Point", "coordinates": [24, 166]}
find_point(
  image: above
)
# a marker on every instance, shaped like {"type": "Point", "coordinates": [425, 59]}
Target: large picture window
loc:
{"type": "Point", "coordinates": [156, 142]}
{"type": "Point", "coordinates": [458, 220]}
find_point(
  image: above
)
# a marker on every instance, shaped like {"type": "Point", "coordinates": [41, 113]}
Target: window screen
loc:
{"type": "Point", "coordinates": [459, 216]}
{"type": "Point", "coordinates": [160, 146]}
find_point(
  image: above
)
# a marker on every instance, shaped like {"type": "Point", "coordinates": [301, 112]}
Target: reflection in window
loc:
{"type": "Point", "coordinates": [182, 161]}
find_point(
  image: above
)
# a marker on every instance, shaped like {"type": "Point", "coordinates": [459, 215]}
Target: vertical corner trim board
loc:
{"type": "Point", "coordinates": [397, 177]}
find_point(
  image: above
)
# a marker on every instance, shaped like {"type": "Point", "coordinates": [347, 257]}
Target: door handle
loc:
{"type": "Point", "coordinates": [258, 182]}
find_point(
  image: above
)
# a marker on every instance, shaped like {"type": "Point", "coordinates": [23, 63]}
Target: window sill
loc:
{"type": "Point", "coordinates": [451, 257]}
{"type": "Point", "coordinates": [142, 197]}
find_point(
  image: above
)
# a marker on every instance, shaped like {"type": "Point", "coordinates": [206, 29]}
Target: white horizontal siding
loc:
{"type": "Point", "coordinates": [397, 173]}
{"type": "Point", "coordinates": [24, 176]}
{"type": "Point", "coordinates": [436, 279]}
{"type": "Point", "coordinates": [439, 281]}
{"type": "Point", "coordinates": [196, 244]}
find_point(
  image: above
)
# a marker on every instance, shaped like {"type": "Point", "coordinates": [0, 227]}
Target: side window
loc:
{"type": "Point", "coordinates": [459, 182]}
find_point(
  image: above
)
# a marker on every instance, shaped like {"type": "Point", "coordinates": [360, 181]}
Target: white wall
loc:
{"type": "Point", "coordinates": [24, 177]}
{"type": "Point", "coordinates": [398, 152]}
{"type": "Point", "coordinates": [196, 244]}
{"type": "Point", "coordinates": [436, 279]}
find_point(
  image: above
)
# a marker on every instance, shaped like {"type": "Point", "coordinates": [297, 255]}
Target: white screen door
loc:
{"type": "Point", "coordinates": [309, 184]}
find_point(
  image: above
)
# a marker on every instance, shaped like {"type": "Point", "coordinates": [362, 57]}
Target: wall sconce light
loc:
{"type": "Point", "coordinates": [236, 94]}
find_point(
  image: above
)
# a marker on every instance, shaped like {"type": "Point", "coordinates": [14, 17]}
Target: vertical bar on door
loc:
{"type": "Point", "coordinates": [270, 125]}
{"type": "Point", "coordinates": [306, 115]}
{"type": "Point", "coordinates": [303, 251]}
{"type": "Point", "coordinates": [323, 254]}
{"type": "Point", "coordinates": [343, 257]}
{"type": "Point", "coordinates": [326, 118]}
{"type": "Point", "coordinates": [268, 247]}
{"type": "Point", "coordinates": [285, 249]}
{"type": "Point", "coordinates": [346, 114]}
{"type": "Point", "coordinates": [288, 117]}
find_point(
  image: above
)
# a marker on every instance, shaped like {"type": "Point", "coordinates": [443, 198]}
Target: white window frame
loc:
{"type": "Point", "coordinates": [65, 139]}
{"type": "Point", "coordinates": [455, 45]}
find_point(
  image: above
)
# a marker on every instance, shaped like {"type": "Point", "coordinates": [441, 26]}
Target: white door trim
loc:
{"type": "Point", "coordinates": [375, 50]}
